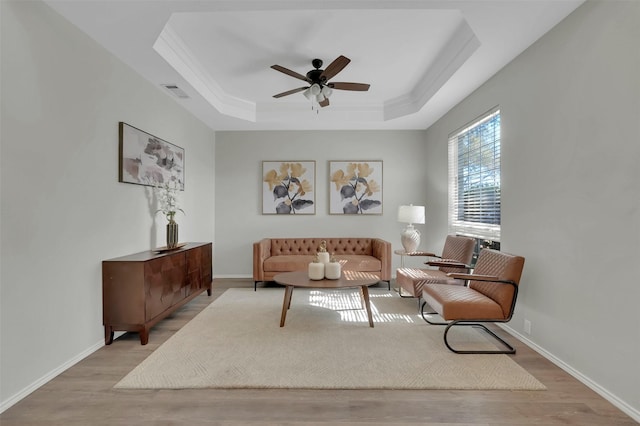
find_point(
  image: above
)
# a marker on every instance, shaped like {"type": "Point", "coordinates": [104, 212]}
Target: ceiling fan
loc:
{"type": "Point", "coordinates": [318, 79]}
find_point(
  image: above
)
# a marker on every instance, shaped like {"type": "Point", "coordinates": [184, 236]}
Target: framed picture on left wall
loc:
{"type": "Point", "coordinates": [288, 187]}
{"type": "Point", "coordinates": [145, 159]}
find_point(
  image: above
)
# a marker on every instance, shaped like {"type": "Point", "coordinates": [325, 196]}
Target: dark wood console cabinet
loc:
{"type": "Point", "coordinates": [141, 289]}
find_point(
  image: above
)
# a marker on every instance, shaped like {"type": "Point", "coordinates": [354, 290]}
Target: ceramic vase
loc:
{"type": "Point", "coordinates": [172, 233]}
{"type": "Point", "coordinates": [316, 271]}
{"type": "Point", "coordinates": [323, 257]}
{"type": "Point", "coordinates": [332, 270]}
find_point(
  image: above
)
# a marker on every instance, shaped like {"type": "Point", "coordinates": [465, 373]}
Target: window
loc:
{"type": "Point", "coordinates": [474, 178]}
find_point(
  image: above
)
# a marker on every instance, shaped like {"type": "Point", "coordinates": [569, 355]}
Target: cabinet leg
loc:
{"type": "Point", "coordinates": [108, 335]}
{"type": "Point", "coordinates": [209, 291]}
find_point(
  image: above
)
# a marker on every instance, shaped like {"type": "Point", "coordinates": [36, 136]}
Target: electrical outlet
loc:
{"type": "Point", "coordinates": [527, 326]}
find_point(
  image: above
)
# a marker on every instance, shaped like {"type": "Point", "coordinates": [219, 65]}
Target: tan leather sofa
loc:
{"type": "Point", "coordinates": [272, 256]}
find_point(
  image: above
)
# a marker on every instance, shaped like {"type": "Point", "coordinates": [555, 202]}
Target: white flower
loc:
{"type": "Point", "coordinates": [167, 195]}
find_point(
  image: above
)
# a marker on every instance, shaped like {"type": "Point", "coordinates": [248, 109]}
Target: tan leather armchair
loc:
{"type": "Point", "coordinates": [489, 297]}
{"type": "Point", "coordinates": [456, 257]}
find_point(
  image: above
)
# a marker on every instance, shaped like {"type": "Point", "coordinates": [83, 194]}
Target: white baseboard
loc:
{"type": "Point", "coordinates": [613, 399]}
{"type": "Point", "coordinates": [11, 401]}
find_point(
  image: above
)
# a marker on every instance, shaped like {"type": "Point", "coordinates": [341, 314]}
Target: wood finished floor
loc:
{"type": "Point", "coordinates": [84, 395]}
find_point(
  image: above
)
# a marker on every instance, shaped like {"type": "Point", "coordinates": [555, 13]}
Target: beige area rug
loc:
{"type": "Point", "coordinates": [326, 343]}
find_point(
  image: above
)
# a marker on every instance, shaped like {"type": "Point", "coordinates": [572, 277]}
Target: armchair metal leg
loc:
{"type": "Point", "coordinates": [510, 350]}
{"type": "Point", "coordinates": [422, 313]}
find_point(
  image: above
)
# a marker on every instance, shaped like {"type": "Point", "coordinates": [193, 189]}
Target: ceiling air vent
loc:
{"type": "Point", "coordinates": [178, 92]}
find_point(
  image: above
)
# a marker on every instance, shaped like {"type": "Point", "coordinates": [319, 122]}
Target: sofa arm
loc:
{"type": "Point", "coordinates": [261, 251]}
{"type": "Point", "coordinates": [381, 249]}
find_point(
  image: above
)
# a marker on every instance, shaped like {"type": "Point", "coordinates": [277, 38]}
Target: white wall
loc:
{"type": "Point", "coordinates": [571, 190]}
{"type": "Point", "coordinates": [63, 210]}
{"type": "Point", "coordinates": [238, 169]}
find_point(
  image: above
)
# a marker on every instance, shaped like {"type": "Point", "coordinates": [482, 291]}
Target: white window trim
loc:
{"type": "Point", "coordinates": [472, 229]}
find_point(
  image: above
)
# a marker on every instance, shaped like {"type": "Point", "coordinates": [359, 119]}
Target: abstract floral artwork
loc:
{"type": "Point", "coordinates": [288, 187]}
{"type": "Point", "coordinates": [355, 187]}
{"type": "Point", "coordinates": [148, 160]}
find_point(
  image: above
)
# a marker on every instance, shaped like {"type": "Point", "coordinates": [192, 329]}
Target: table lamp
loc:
{"type": "Point", "coordinates": [410, 237]}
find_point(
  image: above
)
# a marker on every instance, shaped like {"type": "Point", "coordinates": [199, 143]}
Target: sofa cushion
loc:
{"type": "Point", "coordinates": [357, 262]}
{"type": "Point", "coordinates": [286, 263]}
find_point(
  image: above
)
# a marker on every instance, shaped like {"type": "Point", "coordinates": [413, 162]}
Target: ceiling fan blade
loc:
{"type": "Point", "coordinates": [335, 67]}
{"type": "Point", "coordinates": [324, 103]}
{"type": "Point", "coordinates": [359, 87]}
{"type": "Point", "coordinates": [290, 92]}
{"type": "Point", "coordinates": [289, 72]}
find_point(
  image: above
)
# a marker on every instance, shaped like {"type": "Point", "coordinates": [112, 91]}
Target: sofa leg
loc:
{"type": "Point", "coordinates": [255, 286]}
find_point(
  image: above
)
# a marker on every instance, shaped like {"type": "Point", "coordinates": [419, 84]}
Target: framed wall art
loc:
{"type": "Point", "coordinates": [288, 187]}
{"type": "Point", "coordinates": [355, 187]}
{"type": "Point", "coordinates": [146, 159]}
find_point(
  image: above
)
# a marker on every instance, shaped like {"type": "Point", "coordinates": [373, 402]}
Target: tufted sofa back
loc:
{"type": "Point", "coordinates": [310, 246]}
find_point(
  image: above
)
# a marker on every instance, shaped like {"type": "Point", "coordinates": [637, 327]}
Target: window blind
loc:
{"type": "Point", "coordinates": [474, 178]}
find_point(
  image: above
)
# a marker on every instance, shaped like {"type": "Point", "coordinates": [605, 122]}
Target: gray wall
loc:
{"type": "Point", "coordinates": [571, 191]}
{"type": "Point", "coordinates": [62, 208]}
{"type": "Point", "coordinates": [238, 165]}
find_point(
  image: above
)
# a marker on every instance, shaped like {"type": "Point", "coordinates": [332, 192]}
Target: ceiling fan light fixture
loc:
{"type": "Point", "coordinates": [327, 91]}
{"type": "Point", "coordinates": [319, 97]}
{"type": "Point", "coordinates": [315, 89]}
{"type": "Point", "coordinates": [307, 93]}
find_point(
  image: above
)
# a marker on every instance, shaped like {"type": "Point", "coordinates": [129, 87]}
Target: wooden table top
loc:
{"type": "Point", "coordinates": [347, 279]}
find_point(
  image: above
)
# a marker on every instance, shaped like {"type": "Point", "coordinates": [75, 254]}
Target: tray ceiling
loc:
{"type": "Point", "coordinates": [420, 57]}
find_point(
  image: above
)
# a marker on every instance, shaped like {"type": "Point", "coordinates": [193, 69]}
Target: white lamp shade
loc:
{"type": "Point", "coordinates": [327, 91]}
{"type": "Point", "coordinates": [411, 214]}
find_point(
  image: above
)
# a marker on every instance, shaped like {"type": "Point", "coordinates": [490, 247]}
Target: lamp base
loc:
{"type": "Point", "coordinates": [410, 238]}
